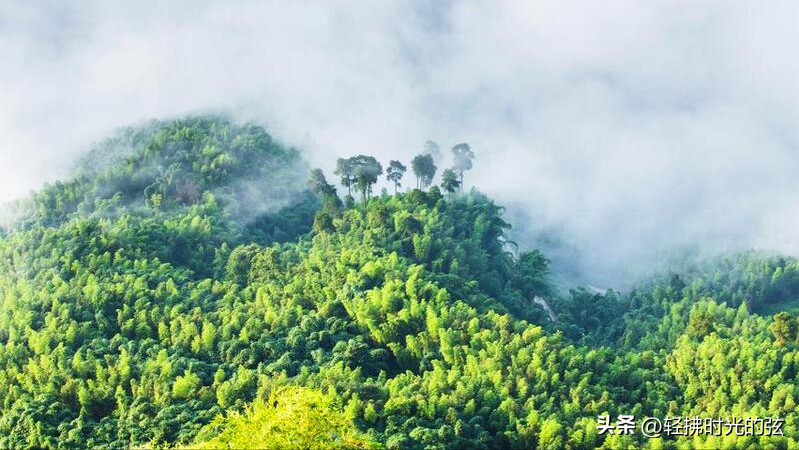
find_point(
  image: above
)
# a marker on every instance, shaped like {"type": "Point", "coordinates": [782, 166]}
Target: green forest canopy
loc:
{"type": "Point", "coordinates": [185, 285]}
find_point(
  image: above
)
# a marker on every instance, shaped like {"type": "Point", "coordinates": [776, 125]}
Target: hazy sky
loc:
{"type": "Point", "coordinates": [630, 125]}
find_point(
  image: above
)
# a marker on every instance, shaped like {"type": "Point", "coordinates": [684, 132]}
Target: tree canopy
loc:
{"type": "Point", "coordinates": [425, 170]}
{"type": "Point", "coordinates": [462, 159]}
{"type": "Point", "coordinates": [396, 170]}
{"type": "Point", "coordinates": [137, 312]}
{"type": "Point", "coordinates": [450, 181]}
{"type": "Point", "coordinates": [290, 419]}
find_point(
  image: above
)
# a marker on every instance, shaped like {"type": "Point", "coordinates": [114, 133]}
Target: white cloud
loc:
{"type": "Point", "coordinates": [634, 126]}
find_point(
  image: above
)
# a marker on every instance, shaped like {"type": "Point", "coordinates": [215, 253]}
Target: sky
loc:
{"type": "Point", "coordinates": [629, 128]}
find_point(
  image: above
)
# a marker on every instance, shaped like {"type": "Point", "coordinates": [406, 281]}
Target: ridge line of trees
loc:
{"type": "Point", "coordinates": [361, 172]}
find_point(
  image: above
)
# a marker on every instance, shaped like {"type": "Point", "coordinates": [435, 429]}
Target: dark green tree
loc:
{"type": "Point", "coordinates": [365, 170]}
{"type": "Point", "coordinates": [449, 181]}
{"type": "Point", "coordinates": [395, 172]}
{"type": "Point", "coordinates": [424, 168]}
{"type": "Point", "coordinates": [317, 184]}
{"type": "Point", "coordinates": [784, 328]}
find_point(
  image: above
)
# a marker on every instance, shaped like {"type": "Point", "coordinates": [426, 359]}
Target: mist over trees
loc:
{"type": "Point", "coordinates": [346, 171]}
{"type": "Point", "coordinates": [462, 161]}
{"type": "Point", "coordinates": [136, 311]}
{"type": "Point", "coordinates": [366, 170]}
{"type": "Point", "coordinates": [425, 169]}
{"type": "Point", "coordinates": [362, 171]}
{"type": "Point", "coordinates": [318, 184]}
{"type": "Point", "coordinates": [433, 149]}
{"type": "Point", "coordinates": [450, 181]}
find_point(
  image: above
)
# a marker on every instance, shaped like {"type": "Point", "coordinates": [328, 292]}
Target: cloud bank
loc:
{"type": "Point", "coordinates": [629, 127]}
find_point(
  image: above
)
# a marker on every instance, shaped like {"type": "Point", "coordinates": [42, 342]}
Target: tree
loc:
{"type": "Point", "coordinates": [463, 156]}
{"type": "Point", "coordinates": [533, 270]}
{"type": "Point", "coordinates": [551, 436]}
{"type": "Point", "coordinates": [185, 385]}
{"type": "Point", "coordinates": [395, 172]}
{"type": "Point", "coordinates": [700, 323]}
{"type": "Point", "coordinates": [345, 170]}
{"type": "Point", "coordinates": [318, 184]}
{"type": "Point", "coordinates": [784, 328]}
{"type": "Point", "coordinates": [365, 170]}
{"type": "Point", "coordinates": [331, 204]}
{"type": "Point", "coordinates": [432, 149]}
{"type": "Point", "coordinates": [449, 181]}
{"type": "Point", "coordinates": [425, 170]}
{"type": "Point", "coordinates": [292, 418]}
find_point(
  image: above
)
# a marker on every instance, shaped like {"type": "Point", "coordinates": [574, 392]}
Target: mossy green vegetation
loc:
{"type": "Point", "coordinates": [290, 418]}
{"type": "Point", "coordinates": [136, 310]}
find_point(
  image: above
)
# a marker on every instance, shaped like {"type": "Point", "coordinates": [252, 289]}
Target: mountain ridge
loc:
{"type": "Point", "coordinates": [158, 322]}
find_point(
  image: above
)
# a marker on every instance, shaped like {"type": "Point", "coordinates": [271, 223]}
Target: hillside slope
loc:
{"type": "Point", "coordinates": [149, 295]}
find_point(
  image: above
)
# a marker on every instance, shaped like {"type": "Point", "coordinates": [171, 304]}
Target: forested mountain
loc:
{"type": "Point", "coordinates": [187, 287]}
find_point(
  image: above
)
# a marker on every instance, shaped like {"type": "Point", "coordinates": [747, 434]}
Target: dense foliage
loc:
{"type": "Point", "coordinates": [134, 313]}
{"type": "Point", "coordinates": [290, 419]}
{"type": "Point", "coordinates": [172, 166]}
